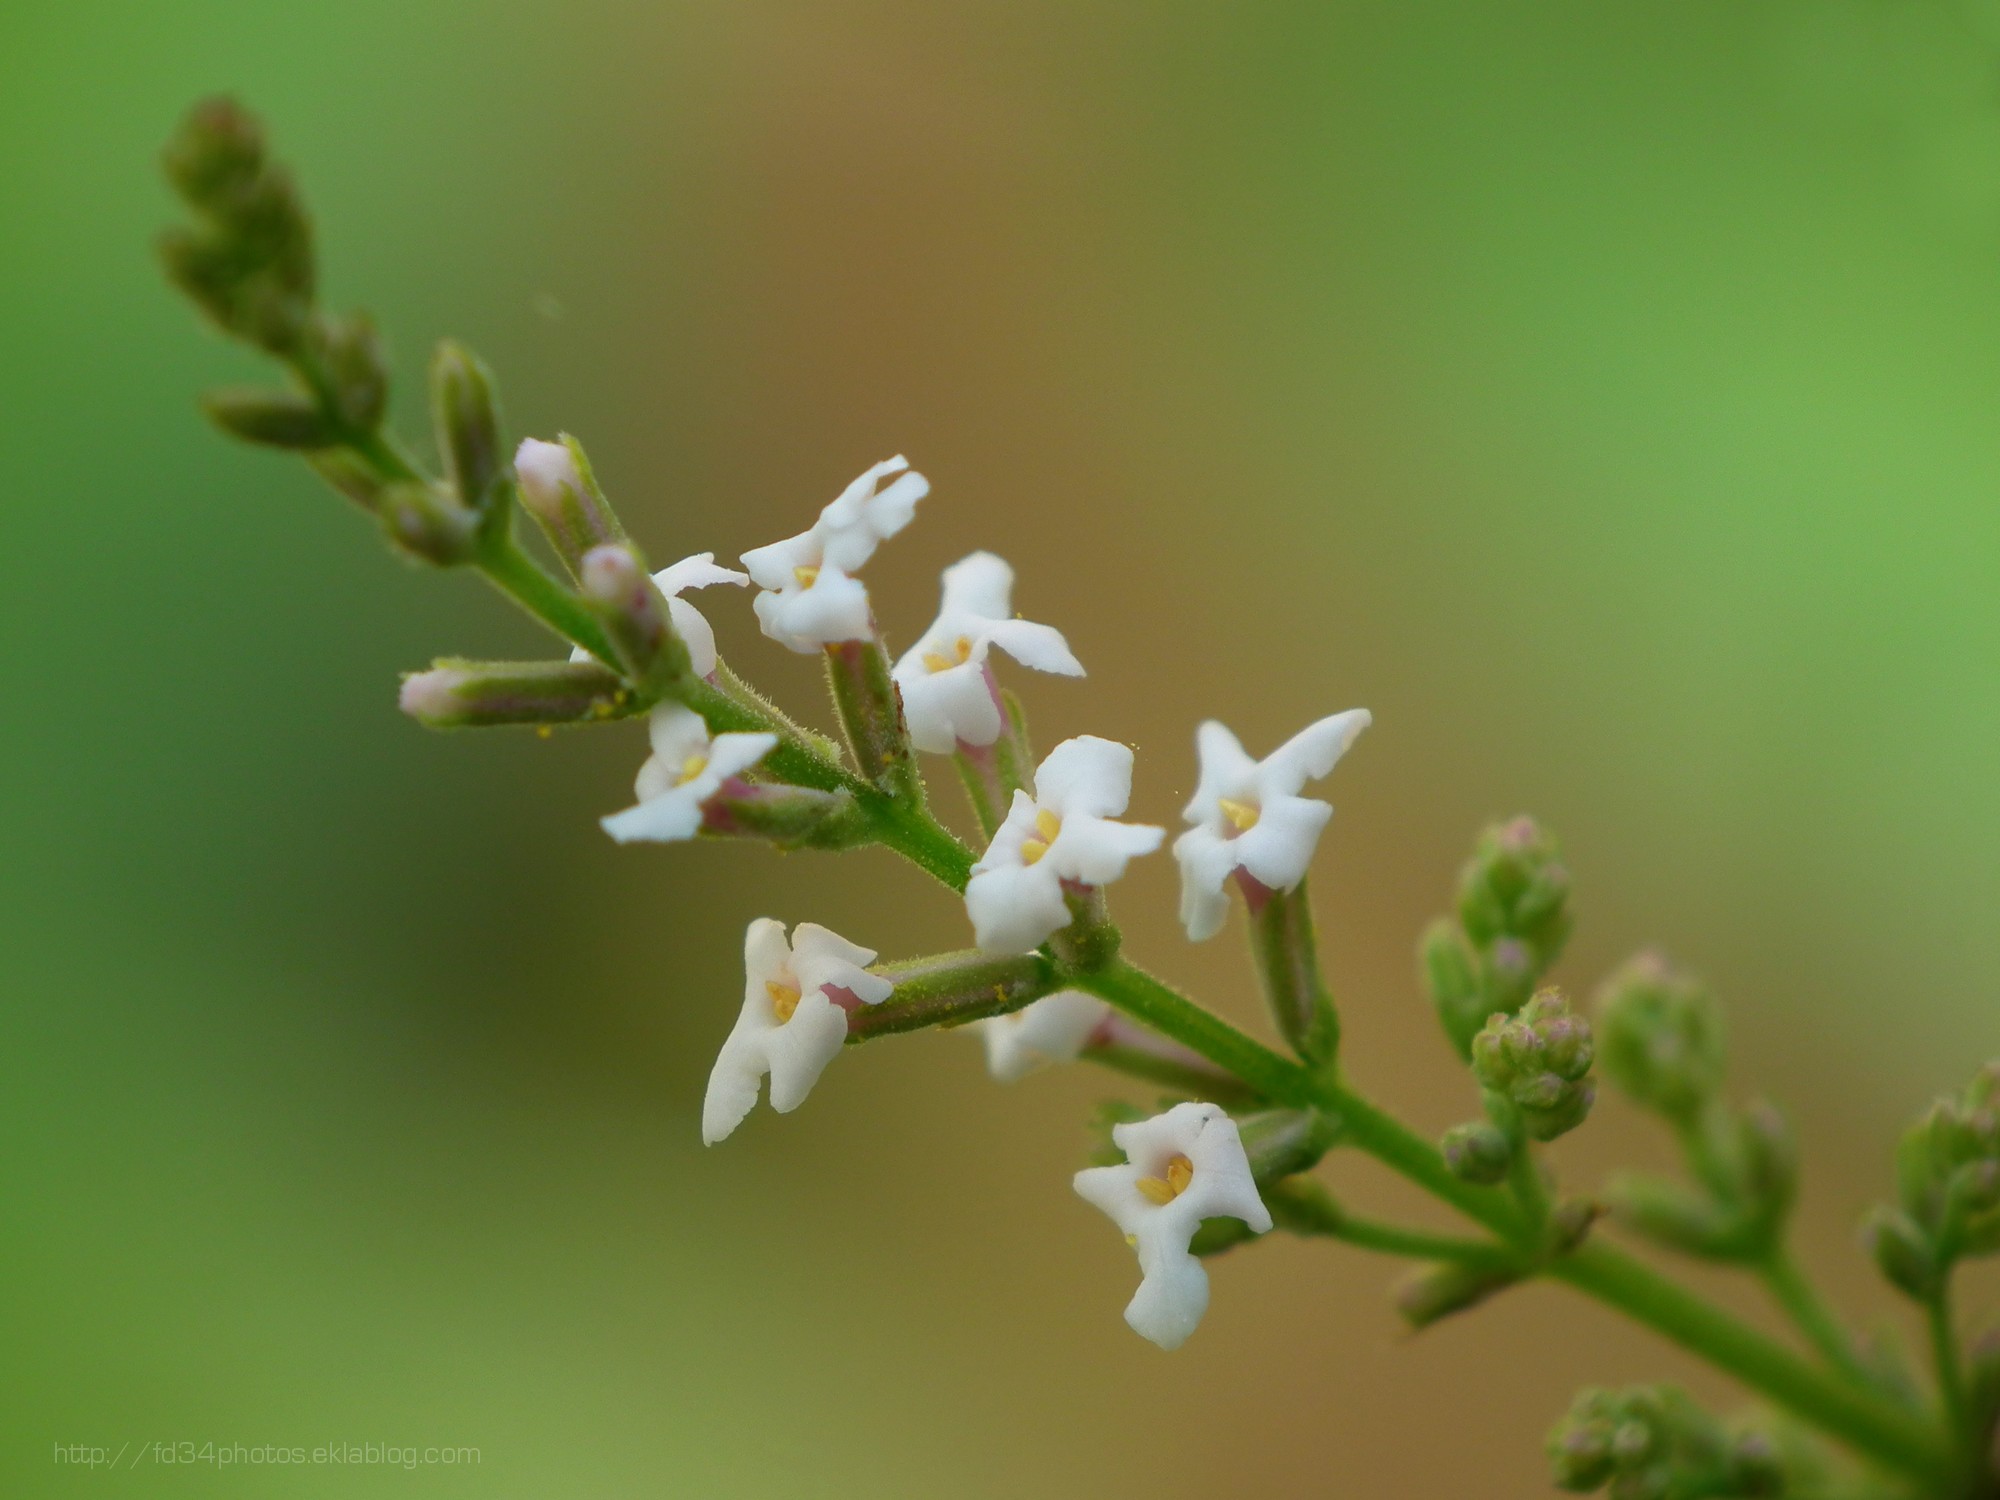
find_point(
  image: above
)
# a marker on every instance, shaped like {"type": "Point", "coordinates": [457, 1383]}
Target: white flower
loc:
{"type": "Point", "coordinates": [1248, 814]}
{"type": "Point", "coordinates": [684, 771]}
{"type": "Point", "coordinates": [795, 999]}
{"type": "Point", "coordinates": [948, 691]}
{"type": "Point", "coordinates": [1064, 833]}
{"type": "Point", "coordinates": [1052, 1030]}
{"type": "Point", "coordinates": [1181, 1167]}
{"type": "Point", "coordinates": [697, 572]}
{"type": "Point", "coordinates": [811, 597]}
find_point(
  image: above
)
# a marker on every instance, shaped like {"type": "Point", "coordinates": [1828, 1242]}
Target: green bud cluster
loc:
{"type": "Point", "coordinates": [1655, 1443]}
{"type": "Point", "coordinates": [1660, 1035]}
{"type": "Point", "coordinates": [1512, 921]}
{"type": "Point", "coordinates": [1947, 1190]}
{"type": "Point", "coordinates": [1538, 1064]}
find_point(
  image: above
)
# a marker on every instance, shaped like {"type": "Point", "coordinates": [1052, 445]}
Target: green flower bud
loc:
{"type": "Point", "coordinates": [1477, 1152]}
{"type": "Point", "coordinates": [1654, 1442]}
{"type": "Point", "coordinates": [1438, 1291]}
{"type": "Point", "coordinates": [277, 419]}
{"type": "Point", "coordinates": [1283, 1142]}
{"type": "Point", "coordinates": [216, 153]}
{"type": "Point", "coordinates": [1662, 1038]}
{"type": "Point", "coordinates": [1539, 1063]}
{"type": "Point", "coordinates": [1675, 1216]}
{"type": "Point", "coordinates": [1902, 1251]}
{"type": "Point", "coordinates": [1948, 1171]}
{"type": "Point", "coordinates": [357, 376]}
{"type": "Point", "coordinates": [468, 425]}
{"type": "Point", "coordinates": [428, 523]}
{"type": "Point", "coordinates": [1517, 886]}
{"type": "Point", "coordinates": [559, 490]}
{"type": "Point", "coordinates": [458, 694]}
{"type": "Point", "coordinates": [621, 594]}
{"type": "Point", "coordinates": [349, 474]}
{"type": "Point", "coordinates": [1452, 979]}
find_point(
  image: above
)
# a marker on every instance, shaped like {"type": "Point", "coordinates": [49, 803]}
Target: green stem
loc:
{"type": "Point", "coordinates": [1166, 1010]}
{"type": "Point", "coordinates": [1802, 1303]}
{"type": "Point", "coordinates": [1305, 1209]}
{"type": "Point", "coordinates": [1401, 1149]}
{"type": "Point", "coordinates": [1884, 1433]}
{"type": "Point", "coordinates": [523, 580]}
{"type": "Point", "coordinates": [1287, 957]}
{"type": "Point", "coordinates": [1944, 1353]}
{"type": "Point", "coordinates": [1196, 1081]}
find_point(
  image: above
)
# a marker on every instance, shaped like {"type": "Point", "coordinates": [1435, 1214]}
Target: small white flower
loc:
{"type": "Point", "coordinates": [811, 597]}
{"type": "Point", "coordinates": [1062, 834]}
{"type": "Point", "coordinates": [685, 770]}
{"type": "Point", "coordinates": [794, 1019]}
{"type": "Point", "coordinates": [1248, 814]}
{"type": "Point", "coordinates": [544, 471]}
{"type": "Point", "coordinates": [1181, 1167]}
{"type": "Point", "coordinates": [1052, 1030]}
{"type": "Point", "coordinates": [948, 691]}
{"type": "Point", "coordinates": [697, 572]}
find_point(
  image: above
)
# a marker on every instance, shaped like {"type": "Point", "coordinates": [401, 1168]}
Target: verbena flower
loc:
{"type": "Point", "coordinates": [1248, 814]}
{"type": "Point", "coordinates": [685, 771]}
{"type": "Point", "coordinates": [1052, 1030]}
{"type": "Point", "coordinates": [697, 572]}
{"type": "Point", "coordinates": [948, 691]}
{"type": "Point", "coordinates": [810, 596]}
{"type": "Point", "coordinates": [1063, 835]}
{"type": "Point", "coordinates": [1181, 1167]}
{"type": "Point", "coordinates": [796, 997]}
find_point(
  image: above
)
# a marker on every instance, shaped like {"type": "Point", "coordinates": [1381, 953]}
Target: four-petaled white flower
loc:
{"type": "Point", "coordinates": [1248, 815]}
{"type": "Point", "coordinates": [697, 572]}
{"type": "Point", "coordinates": [796, 997]}
{"type": "Point", "coordinates": [685, 770]}
{"type": "Point", "coordinates": [1181, 1167]}
{"type": "Point", "coordinates": [1052, 1030]}
{"type": "Point", "coordinates": [811, 597]}
{"type": "Point", "coordinates": [1064, 834]}
{"type": "Point", "coordinates": [947, 687]}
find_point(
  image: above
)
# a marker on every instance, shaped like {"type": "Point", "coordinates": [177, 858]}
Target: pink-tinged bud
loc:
{"type": "Point", "coordinates": [561, 493]}
{"type": "Point", "coordinates": [621, 593]}
{"type": "Point", "coordinates": [471, 694]}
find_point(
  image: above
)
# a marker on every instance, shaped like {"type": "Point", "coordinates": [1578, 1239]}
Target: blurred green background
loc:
{"type": "Point", "coordinates": [1606, 396]}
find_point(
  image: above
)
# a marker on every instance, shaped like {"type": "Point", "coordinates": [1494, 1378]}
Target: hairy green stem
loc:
{"type": "Point", "coordinates": [523, 580]}
{"type": "Point", "coordinates": [1802, 1303]}
{"type": "Point", "coordinates": [1166, 1010]}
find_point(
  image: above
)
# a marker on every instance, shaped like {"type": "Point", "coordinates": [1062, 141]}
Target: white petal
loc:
{"type": "Point", "coordinates": [732, 754]}
{"type": "Point", "coordinates": [981, 585]}
{"type": "Point", "coordinates": [1206, 860]}
{"type": "Point", "coordinates": [1039, 647]}
{"type": "Point", "coordinates": [766, 956]}
{"type": "Point", "coordinates": [800, 1049]}
{"type": "Point", "coordinates": [1171, 1301]}
{"type": "Point", "coordinates": [945, 707]}
{"type": "Point", "coordinates": [693, 628]}
{"type": "Point", "coordinates": [862, 517]}
{"type": "Point", "coordinates": [1312, 752]}
{"type": "Point", "coordinates": [1086, 775]}
{"type": "Point", "coordinates": [677, 733]}
{"type": "Point", "coordinates": [1054, 1029]}
{"type": "Point", "coordinates": [1096, 850]}
{"type": "Point", "coordinates": [732, 1084]}
{"type": "Point", "coordinates": [668, 818]}
{"type": "Point", "coordinates": [1279, 849]}
{"type": "Point", "coordinates": [814, 944]}
{"type": "Point", "coordinates": [833, 609]}
{"type": "Point", "coordinates": [697, 572]}
{"type": "Point", "coordinates": [1003, 851]}
{"type": "Point", "coordinates": [772, 567]}
{"type": "Point", "coordinates": [544, 471]}
{"type": "Point", "coordinates": [1014, 908]}
{"type": "Point", "coordinates": [1226, 770]}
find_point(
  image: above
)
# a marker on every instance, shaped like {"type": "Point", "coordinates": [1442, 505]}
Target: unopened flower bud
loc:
{"type": "Point", "coordinates": [349, 474]}
{"type": "Point", "coordinates": [561, 493]}
{"type": "Point", "coordinates": [1653, 1442]}
{"type": "Point", "coordinates": [1517, 886]}
{"type": "Point", "coordinates": [621, 593]}
{"type": "Point", "coordinates": [428, 523]}
{"type": "Point", "coordinates": [215, 154]}
{"type": "Point", "coordinates": [1670, 1214]}
{"type": "Point", "coordinates": [468, 426]}
{"type": "Point", "coordinates": [456, 694]}
{"type": "Point", "coordinates": [1661, 1034]}
{"type": "Point", "coordinates": [1477, 1152]}
{"type": "Point", "coordinates": [1902, 1251]}
{"type": "Point", "coordinates": [1948, 1171]}
{"type": "Point", "coordinates": [276, 419]}
{"type": "Point", "coordinates": [1451, 977]}
{"type": "Point", "coordinates": [1282, 1142]}
{"type": "Point", "coordinates": [1436, 1292]}
{"type": "Point", "coordinates": [1539, 1062]}
{"type": "Point", "coordinates": [357, 375]}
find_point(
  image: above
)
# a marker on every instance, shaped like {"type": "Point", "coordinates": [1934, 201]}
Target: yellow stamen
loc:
{"type": "Point", "coordinates": [1047, 826]}
{"type": "Point", "coordinates": [961, 654]}
{"type": "Point", "coordinates": [784, 999]}
{"type": "Point", "coordinates": [1243, 814]}
{"type": "Point", "coordinates": [692, 767]}
{"type": "Point", "coordinates": [805, 576]}
{"type": "Point", "coordinates": [1163, 1190]}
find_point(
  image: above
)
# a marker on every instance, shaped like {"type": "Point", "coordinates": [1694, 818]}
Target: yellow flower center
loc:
{"type": "Point", "coordinates": [1047, 826]}
{"type": "Point", "coordinates": [784, 999]}
{"type": "Point", "coordinates": [805, 576]}
{"type": "Point", "coordinates": [961, 653]}
{"type": "Point", "coordinates": [1163, 1190]}
{"type": "Point", "coordinates": [1243, 814]}
{"type": "Point", "coordinates": [692, 767]}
